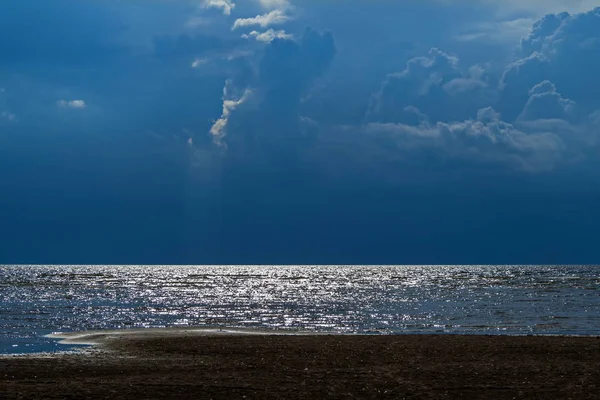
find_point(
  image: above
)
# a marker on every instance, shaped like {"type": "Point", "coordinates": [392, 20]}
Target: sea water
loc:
{"type": "Point", "coordinates": [36, 300]}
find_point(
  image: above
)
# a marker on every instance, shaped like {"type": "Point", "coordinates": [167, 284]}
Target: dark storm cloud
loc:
{"type": "Point", "coordinates": [267, 112]}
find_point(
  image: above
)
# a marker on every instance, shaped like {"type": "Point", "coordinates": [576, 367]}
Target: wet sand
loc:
{"type": "Point", "coordinates": [201, 364]}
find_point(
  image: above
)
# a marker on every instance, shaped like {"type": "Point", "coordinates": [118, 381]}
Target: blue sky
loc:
{"type": "Point", "coordinates": [300, 131]}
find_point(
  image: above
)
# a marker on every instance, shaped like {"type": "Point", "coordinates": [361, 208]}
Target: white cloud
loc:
{"type": "Point", "coordinates": [225, 5]}
{"type": "Point", "coordinates": [546, 103]}
{"type": "Point", "coordinates": [275, 17]}
{"type": "Point", "coordinates": [268, 36]}
{"type": "Point", "coordinates": [563, 49]}
{"type": "Point", "coordinates": [219, 128]}
{"type": "Point", "coordinates": [487, 141]}
{"type": "Point", "coordinates": [76, 104]}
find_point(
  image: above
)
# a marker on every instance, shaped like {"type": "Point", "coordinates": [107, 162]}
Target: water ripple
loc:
{"type": "Point", "coordinates": [39, 299]}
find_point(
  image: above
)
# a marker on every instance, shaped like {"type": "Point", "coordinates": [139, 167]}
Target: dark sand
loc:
{"type": "Point", "coordinates": [196, 366]}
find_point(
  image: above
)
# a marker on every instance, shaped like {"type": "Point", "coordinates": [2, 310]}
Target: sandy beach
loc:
{"type": "Point", "coordinates": [214, 364]}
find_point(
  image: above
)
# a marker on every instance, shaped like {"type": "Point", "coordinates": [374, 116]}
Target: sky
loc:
{"type": "Point", "coordinates": [300, 132]}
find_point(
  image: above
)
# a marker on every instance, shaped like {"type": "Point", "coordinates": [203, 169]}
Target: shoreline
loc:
{"type": "Point", "coordinates": [98, 339]}
{"type": "Point", "coordinates": [208, 363]}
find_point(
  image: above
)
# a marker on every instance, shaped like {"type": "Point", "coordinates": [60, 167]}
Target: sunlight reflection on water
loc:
{"type": "Point", "coordinates": [35, 300]}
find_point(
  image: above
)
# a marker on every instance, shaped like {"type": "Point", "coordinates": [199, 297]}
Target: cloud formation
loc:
{"type": "Point", "coordinates": [275, 17]}
{"type": "Point", "coordinates": [383, 129]}
{"type": "Point", "coordinates": [218, 130]}
{"type": "Point", "coordinates": [225, 5]}
{"type": "Point", "coordinates": [545, 103]}
{"type": "Point", "coordinates": [284, 73]}
{"type": "Point", "coordinates": [280, 83]}
{"type": "Point", "coordinates": [268, 35]}
{"type": "Point", "coordinates": [563, 49]}
{"type": "Point", "coordinates": [541, 105]}
{"type": "Point", "coordinates": [436, 86]}
{"type": "Point", "coordinates": [486, 141]}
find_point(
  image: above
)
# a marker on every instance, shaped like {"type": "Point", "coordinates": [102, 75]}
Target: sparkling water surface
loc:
{"type": "Point", "coordinates": [36, 299]}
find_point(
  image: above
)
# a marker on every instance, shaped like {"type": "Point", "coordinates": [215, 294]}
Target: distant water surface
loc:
{"type": "Point", "coordinates": [36, 299]}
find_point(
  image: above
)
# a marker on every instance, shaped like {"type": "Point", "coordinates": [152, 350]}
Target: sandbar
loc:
{"type": "Point", "coordinates": [244, 364]}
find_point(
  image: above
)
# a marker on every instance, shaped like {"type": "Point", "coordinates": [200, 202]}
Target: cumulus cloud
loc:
{"type": "Point", "coordinates": [561, 48]}
{"type": "Point", "coordinates": [75, 104]}
{"type": "Point", "coordinates": [230, 103]}
{"type": "Point", "coordinates": [275, 17]}
{"type": "Point", "coordinates": [518, 78]}
{"type": "Point", "coordinates": [546, 103]}
{"type": "Point", "coordinates": [225, 5]}
{"type": "Point", "coordinates": [529, 118]}
{"type": "Point", "coordinates": [311, 125]}
{"type": "Point", "coordinates": [486, 140]}
{"type": "Point", "coordinates": [421, 77]}
{"type": "Point", "coordinates": [433, 84]}
{"type": "Point", "coordinates": [474, 81]}
{"type": "Point", "coordinates": [523, 115]}
{"type": "Point", "coordinates": [541, 31]}
{"type": "Point", "coordinates": [268, 36]}
{"type": "Point", "coordinates": [286, 90]}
